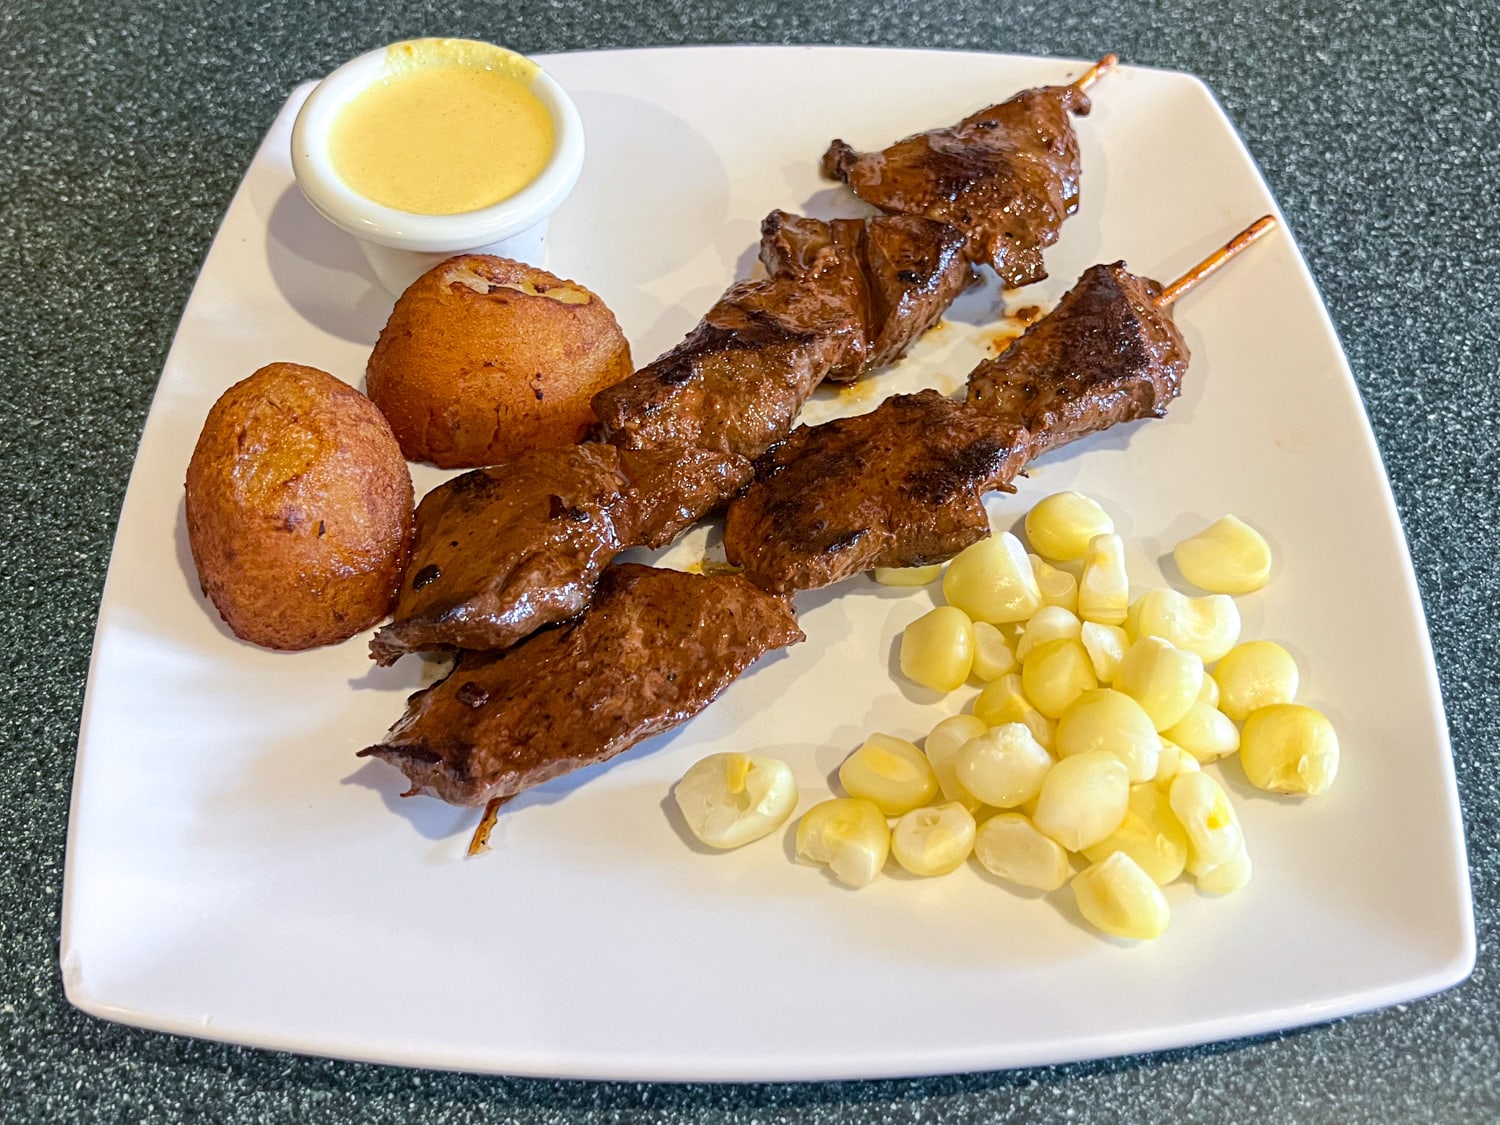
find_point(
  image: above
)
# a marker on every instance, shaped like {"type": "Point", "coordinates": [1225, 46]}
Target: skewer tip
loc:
{"type": "Point", "coordinates": [1220, 257]}
{"type": "Point", "coordinates": [1096, 72]}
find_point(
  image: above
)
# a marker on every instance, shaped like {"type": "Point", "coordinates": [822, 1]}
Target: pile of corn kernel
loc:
{"type": "Point", "coordinates": [1086, 745]}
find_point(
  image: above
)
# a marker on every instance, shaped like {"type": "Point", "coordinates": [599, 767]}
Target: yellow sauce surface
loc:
{"type": "Point", "coordinates": [449, 128]}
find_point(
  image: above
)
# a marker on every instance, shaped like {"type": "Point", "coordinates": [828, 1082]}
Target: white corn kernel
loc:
{"type": "Point", "coordinates": [1106, 645]}
{"type": "Point", "coordinates": [1083, 799]}
{"type": "Point", "coordinates": [934, 840]}
{"type": "Point", "coordinates": [906, 575]}
{"type": "Point", "coordinates": [937, 649]}
{"type": "Point", "coordinates": [890, 772]}
{"type": "Point", "coordinates": [1104, 719]}
{"type": "Point", "coordinates": [1003, 767]}
{"type": "Point", "coordinates": [1205, 732]}
{"type": "Point", "coordinates": [1009, 846]}
{"type": "Point", "coordinates": [1104, 588]}
{"type": "Point", "coordinates": [1163, 679]}
{"type": "Point", "coordinates": [1209, 626]}
{"type": "Point", "coordinates": [1055, 673]}
{"type": "Point", "coordinates": [993, 657]}
{"type": "Point", "coordinates": [992, 581]}
{"type": "Point", "coordinates": [1209, 692]}
{"type": "Point", "coordinates": [1061, 525]}
{"type": "Point", "coordinates": [1226, 877]}
{"type": "Point", "coordinates": [731, 799]}
{"type": "Point", "coordinates": [1203, 809]}
{"type": "Point", "coordinates": [1058, 586]}
{"type": "Point", "coordinates": [1289, 748]}
{"type": "Point", "coordinates": [1171, 761]}
{"type": "Point", "coordinates": [1227, 557]}
{"type": "Point", "coordinates": [1149, 834]}
{"type": "Point", "coordinates": [1255, 674]}
{"type": "Point", "coordinates": [941, 747]}
{"type": "Point", "coordinates": [847, 835]}
{"type": "Point", "coordinates": [1116, 896]}
{"type": "Point", "coordinates": [1050, 623]}
{"type": "Point", "coordinates": [1005, 701]}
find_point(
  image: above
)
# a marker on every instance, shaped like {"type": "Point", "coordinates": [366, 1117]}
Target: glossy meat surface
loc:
{"type": "Point", "coordinates": [654, 649]}
{"type": "Point", "coordinates": [899, 486]}
{"type": "Point", "coordinates": [1006, 176]}
{"type": "Point", "coordinates": [1105, 354]}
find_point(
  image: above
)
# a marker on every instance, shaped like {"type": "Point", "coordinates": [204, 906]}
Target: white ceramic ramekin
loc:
{"type": "Point", "coordinates": [400, 245]}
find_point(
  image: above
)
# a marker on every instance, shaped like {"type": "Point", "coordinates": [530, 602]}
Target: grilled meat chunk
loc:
{"type": "Point", "coordinates": [1006, 176]}
{"type": "Point", "coordinates": [1107, 353]}
{"type": "Point", "coordinates": [500, 552]}
{"type": "Point", "coordinates": [654, 649]}
{"type": "Point", "coordinates": [899, 486]}
{"type": "Point", "coordinates": [842, 297]}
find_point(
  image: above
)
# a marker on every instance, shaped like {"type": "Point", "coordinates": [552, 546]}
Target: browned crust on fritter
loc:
{"type": "Point", "coordinates": [654, 649]}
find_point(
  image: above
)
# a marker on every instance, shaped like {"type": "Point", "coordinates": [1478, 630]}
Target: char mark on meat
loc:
{"type": "Point", "coordinates": [501, 552]}
{"type": "Point", "coordinates": [654, 649]}
{"type": "Point", "coordinates": [899, 486]}
{"type": "Point", "coordinates": [841, 298]}
{"type": "Point", "coordinates": [1106, 354]}
{"type": "Point", "coordinates": [1006, 176]}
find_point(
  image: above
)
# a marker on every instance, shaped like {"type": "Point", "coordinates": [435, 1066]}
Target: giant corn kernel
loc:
{"type": "Point", "coordinates": [1050, 623]}
{"type": "Point", "coordinates": [1055, 673]}
{"type": "Point", "coordinates": [1058, 587]}
{"type": "Point", "coordinates": [1163, 679]}
{"type": "Point", "coordinates": [1171, 761]}
{"type": "Point", "coordinates": [937, 649]}
{"type": "Point", "coordinates": [1106, 645]}
{"type": "Point", "coordinates": [1116, 896]}
{"type": "Point", "coordinates": [1104, 588]}
{"type": "Point", "coordinates": [941, 747]}
{"type": "Point", "coordinates": [906, 575]}
{"type": "Point", "coordinates": [891, 773]}
{"type": "Point", "coordinates": [1104, 719]}
{"type": "Point", "coordinates": [1289, 748]}
{"type": "Point", "coordinates": [1255, 674]}
{"type": "Point", "coordinates": [992, 581]}
{"type": "Point", "coordinates": [1061, 525]}
{"type": "Point", "coordinates": [1003, 767]}
{"type": "Point", "coordinates": [1227, 557]}
{"type": "Point", "coordinates": [1009, 846]}
{"type": "Point", "coordinates": [1223, 878]}
{"type": "Point", "coordinates": [1205, 732]}
{"type": "Point", "coordinates": [731, 799]}
{"type": "Point", "coordinates": [1149, 834]}
{"type": "Point", "coordinates": [1213, 830]}
{"type": "Point", "coordinates": [993, 657]}
{"type": "Point", "coordinates": [1005, 701]}
{"type": "Point", "coordinates": [935, 840]}
{"type": "Point", "coordinates": [1083, 799]}
{"type": "Point", "coordinates": [1209, 626]}
{"type": "Point", "coordinates": [847, 835]}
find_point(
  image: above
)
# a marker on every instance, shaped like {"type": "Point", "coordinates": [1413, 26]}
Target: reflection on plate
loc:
{"type": "Point", "coordinates": [234, 872]}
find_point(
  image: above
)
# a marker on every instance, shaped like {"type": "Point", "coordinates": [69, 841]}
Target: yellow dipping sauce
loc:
{"type": "Point", "coordinates": [452, 126]}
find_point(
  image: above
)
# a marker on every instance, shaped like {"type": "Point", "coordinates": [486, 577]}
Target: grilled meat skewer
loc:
{"type": "Point", "coordinates": [1006, 176]}
{"type": "Point", "coordinates": [840, 498]}
{"type": "Point", "coordinates": [654, 649]}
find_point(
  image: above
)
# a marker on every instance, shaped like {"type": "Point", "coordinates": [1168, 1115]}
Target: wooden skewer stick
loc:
{"type": "Point", "coordinates": [479, 843]}
{"type": "Point", "coordinates": [1214, 261]}
{"type": "Point", "coordinates": [1096, 72]}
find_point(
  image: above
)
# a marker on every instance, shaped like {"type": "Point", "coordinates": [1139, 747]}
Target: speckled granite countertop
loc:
{"type": "Point", "coordinates": [124, 130]}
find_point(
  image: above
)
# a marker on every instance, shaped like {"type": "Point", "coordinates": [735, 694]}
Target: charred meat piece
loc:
{"type": "Point", "coordinates": [500, 552]}
{"type": "Point", "coordinates": [899, 486]}
{"type": "Point", "coordinates": [1006, 176]}
{"type": "Point", "coordinates": [654, 649]}
{"type": "Point", "coordinates": [842, 297]}
{"type": "Point", "coordinates": [1107, 353]}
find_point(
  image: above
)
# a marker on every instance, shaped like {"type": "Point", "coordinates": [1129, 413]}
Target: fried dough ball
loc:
{"type": "Point", "coordinates": [484, 359]}
{"type": "Point", "coordinates": [299, 509]}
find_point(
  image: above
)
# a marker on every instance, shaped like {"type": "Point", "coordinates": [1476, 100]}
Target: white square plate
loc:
{"type": "Point", "coordinates": [235, 872]}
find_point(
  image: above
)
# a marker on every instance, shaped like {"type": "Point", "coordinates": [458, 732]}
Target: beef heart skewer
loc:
{"type": "Point", "coordinates": [852, 494]}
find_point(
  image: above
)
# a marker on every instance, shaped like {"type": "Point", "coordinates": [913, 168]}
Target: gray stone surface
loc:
{"type": "Point", "coordinates": [123, 132]}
